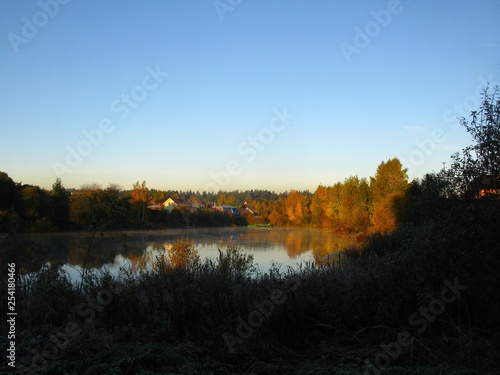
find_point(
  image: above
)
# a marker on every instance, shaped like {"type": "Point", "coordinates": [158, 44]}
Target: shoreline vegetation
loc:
{"type": "Point", "coordinates": [357, 205]}
{"type": "Point", "coordinates": [418, 296]}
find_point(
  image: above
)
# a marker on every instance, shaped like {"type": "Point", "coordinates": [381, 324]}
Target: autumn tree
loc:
{"type": "Point", "coordinates": [222, 199]}
{"type": "Point", "coordinates": [334, 207]}
{"type": "Point", "coordinates": [180, 255]}
{"type": "Point", "coordinates": [319, 207]}
{"type": "Point", "coordinates": [276, 212]}
{"type": "Point", "coordinates": [231, 200]}
{"type": "Point", "coordinates": [294, 208]}
{"type": "Point", "coordinates": [139, 200]}
{"type": "Point", "coordinates": [387, 187]}
{"type": "Point", "coordinates": [354, 209]}
{"type": "Point", "coordinates": [364, 204]}
{"type": "Point", "coordinates": [297, 208]}
{"type": "Point", "coordinates": [194, 198]}
{"type": "Point", "coordinates": [227, 200]}
{"type": "Point", "coordinates": [262, 206]}
{"type": "Point", "coordinates": [248, 198]}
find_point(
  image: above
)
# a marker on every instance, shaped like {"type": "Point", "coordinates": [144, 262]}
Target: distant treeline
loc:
{"type": "Point", "coordinates": [354, 206]}
{"type": "Point", "coordinates": [357, 205]}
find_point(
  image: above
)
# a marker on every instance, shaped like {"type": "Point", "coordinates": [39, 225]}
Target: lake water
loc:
{"type": "Point", "coordinates": [137, 249]}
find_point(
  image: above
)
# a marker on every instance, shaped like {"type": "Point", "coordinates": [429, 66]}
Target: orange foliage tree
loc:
{"type": "Point", "coordinates": [180, 255]}
{"type": "Point", "coordinates": [297, 208]}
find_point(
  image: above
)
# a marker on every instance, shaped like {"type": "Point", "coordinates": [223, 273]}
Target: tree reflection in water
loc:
{"type": "Point", "coordinates": [137, 250]}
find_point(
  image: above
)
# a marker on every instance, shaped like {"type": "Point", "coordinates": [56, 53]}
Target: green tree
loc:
{"type": "Point", "coordinates": [33, 208]}
{"type": "Point", "coordinates": [93, 208]}
{"type": "Point", "coordinates": [59, 207]}
{"type": "Point", "coordinates": [31, 203]}
{"type": "Point", "coordinates": [425, 199]}
{"type": "Point", "coordinates": [120, 207]}
{"type": "Point", "coordinates": [354, 210]}
{"type": "Point", "coordinates": [390, 178]}
{"type": "Point", "coordinates": [477, 168]}
{"type": "Point", "coordinates": [8, 192]}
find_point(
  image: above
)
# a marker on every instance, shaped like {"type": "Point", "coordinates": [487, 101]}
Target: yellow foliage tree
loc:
{"type": "Point", "coordinates": [389, 184]}
{"type": "Point", "coordinates": [384, 219]}
{"type": "Point", "coordinates": [296, 205]}
{"type": "Point", "coordinates": [181, 255]}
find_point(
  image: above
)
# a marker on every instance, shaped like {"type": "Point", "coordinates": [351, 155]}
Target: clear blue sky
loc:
{"type": "Point", "coordinates": [364, 81]}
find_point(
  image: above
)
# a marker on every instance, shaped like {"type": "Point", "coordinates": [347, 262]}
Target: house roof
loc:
{"type": "Point", "coordinates": [249, 207]}
{"type": "Point", "coordinates": [156, 205]}
{"type": "Point", "coordinates": [184, 202]}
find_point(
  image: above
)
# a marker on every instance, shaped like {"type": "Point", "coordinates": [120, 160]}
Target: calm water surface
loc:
{"type": "Point", "coordinates": [137, 249]}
